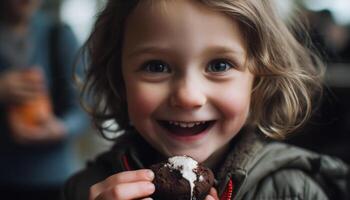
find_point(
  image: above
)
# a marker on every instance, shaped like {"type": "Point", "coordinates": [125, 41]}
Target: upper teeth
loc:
{"type": "Point", "coordinates": [185, 124]}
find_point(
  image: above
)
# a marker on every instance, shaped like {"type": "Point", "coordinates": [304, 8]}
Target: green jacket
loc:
{"type": "Point", "coordinates": [254, 169]}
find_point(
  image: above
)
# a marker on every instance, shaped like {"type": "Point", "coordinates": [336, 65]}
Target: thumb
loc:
{"type": "Point", "coordinates": [213, 195]}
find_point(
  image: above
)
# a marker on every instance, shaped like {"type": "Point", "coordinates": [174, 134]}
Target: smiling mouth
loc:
{"type": "Point", "coordinates": [186, 128]}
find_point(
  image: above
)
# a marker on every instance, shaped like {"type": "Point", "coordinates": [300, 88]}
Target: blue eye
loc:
{"type": "Point", "coordinates": [156, 66]}
{"type": "Point", "coordinates": [219, 65]}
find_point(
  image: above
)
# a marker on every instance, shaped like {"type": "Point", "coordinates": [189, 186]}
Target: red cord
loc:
{"type": "Point", "coordinates": [228, 191]}
{"type": "Point", "coordinates": [126, 163]}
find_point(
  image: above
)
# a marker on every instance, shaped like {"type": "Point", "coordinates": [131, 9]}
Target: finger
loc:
{"type": "Point", "coordinates": [19, 91]}
{"type": "Point", "coordinates": [126, 191]}
{"type": "Point", "coordinates": [32, 86]}
{"type": "Point", "coordinates": [32, 80]}
{"type": "Point", "coordinates": [130, 176]}
{"type": "Point", "coordinates": [55, 130]}
{"type": "Point", "coordinates": [213, 193]}
{"type": "Point", "coordinates": [209, 197]}
{"type": "Point", "coordinates": [24, 94]}
{"type": "Point", "coordinates": [123, 177]}
{"type": "Point", "coordinates": [33, 74]}
{"type": "Point", "coordinates": [27, 135]}
{"type": "Point", "coordinates": [18, 99]}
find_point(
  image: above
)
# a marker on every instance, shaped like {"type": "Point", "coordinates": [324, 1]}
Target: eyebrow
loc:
{"type": "Point", "coordinates": [218, 49]}
{"type": "Point", "coordinates": [225, 50]}
{"type": "Point", "coordinates": [147, 50]}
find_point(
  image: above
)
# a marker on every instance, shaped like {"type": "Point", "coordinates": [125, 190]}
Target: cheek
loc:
{"type": "Point", "coordinates": [237, 105]}
{"type": "Point", "coordinates": [142, 101]}
{"type": "Point", "coordinates": [233, 102]}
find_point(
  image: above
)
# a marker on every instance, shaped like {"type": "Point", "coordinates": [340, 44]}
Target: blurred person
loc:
{"type": "Point", "coordinates": [39, 112]}
{"type": "Point", "coordinates": [332, 39]}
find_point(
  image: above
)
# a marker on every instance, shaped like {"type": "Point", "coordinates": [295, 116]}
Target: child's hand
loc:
{"type": "Point", "coordinates": [124, 186]}
{"type": "Point", "coordinates": [213, 195]}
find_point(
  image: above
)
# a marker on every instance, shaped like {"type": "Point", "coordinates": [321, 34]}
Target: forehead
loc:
{"type": "Point", "coordinates": [180, 24]}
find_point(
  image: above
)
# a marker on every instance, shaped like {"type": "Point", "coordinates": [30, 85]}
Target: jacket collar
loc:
{"type": "Point", "coordinates": [239, 160]}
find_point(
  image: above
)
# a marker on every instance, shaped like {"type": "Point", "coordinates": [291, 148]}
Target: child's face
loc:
{"type": "Point", "coordinates": [188, 91]}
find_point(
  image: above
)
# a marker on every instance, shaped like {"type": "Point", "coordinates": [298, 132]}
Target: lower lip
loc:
{"type": "Point", "coordinates": [189, 138]}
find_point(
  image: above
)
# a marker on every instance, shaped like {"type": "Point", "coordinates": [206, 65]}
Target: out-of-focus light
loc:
{"type": "Point", "coordinates": [80, 15]}
{"type": "Point", "coordinates": [340, 9]}
{"type": "Point", "coordinates": [284, 8]}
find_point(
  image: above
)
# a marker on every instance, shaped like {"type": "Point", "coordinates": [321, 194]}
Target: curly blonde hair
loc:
{"type": "Point", "coordinates": [287, 74]}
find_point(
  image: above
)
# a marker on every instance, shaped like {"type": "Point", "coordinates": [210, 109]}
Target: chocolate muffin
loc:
{"type": "Point", "coordinates": [181, 178]}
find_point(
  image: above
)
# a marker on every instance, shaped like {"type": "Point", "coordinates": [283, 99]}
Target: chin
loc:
{"type": "Point", "coordinates": [201, 158]}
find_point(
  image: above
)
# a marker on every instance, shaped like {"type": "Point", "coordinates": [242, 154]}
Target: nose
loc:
{"type": "Point", "coordinates": [187, 94]}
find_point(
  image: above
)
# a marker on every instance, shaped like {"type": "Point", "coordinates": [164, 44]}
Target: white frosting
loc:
{"type": "Point", "coordinates": [201, 178]}
{"type": "Point", "coordinates": [187, 166]}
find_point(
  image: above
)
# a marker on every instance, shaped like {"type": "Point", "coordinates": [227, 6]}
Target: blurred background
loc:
{"type": "Point", "coordinates": [329, 27]}
{"type": "Point", "coordinates": [80, 15]}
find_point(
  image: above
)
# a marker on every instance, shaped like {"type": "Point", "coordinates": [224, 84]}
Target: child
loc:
{"type": "Point", "coordinates": [208, 79]}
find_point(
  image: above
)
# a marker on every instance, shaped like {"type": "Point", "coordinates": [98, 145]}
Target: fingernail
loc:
{"type": "Point", "coordinates": [209, 198]}
{"type": "Point", "coordinates": [151, 187]}
{"type": "Point", "coordinates": [150, 174]}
